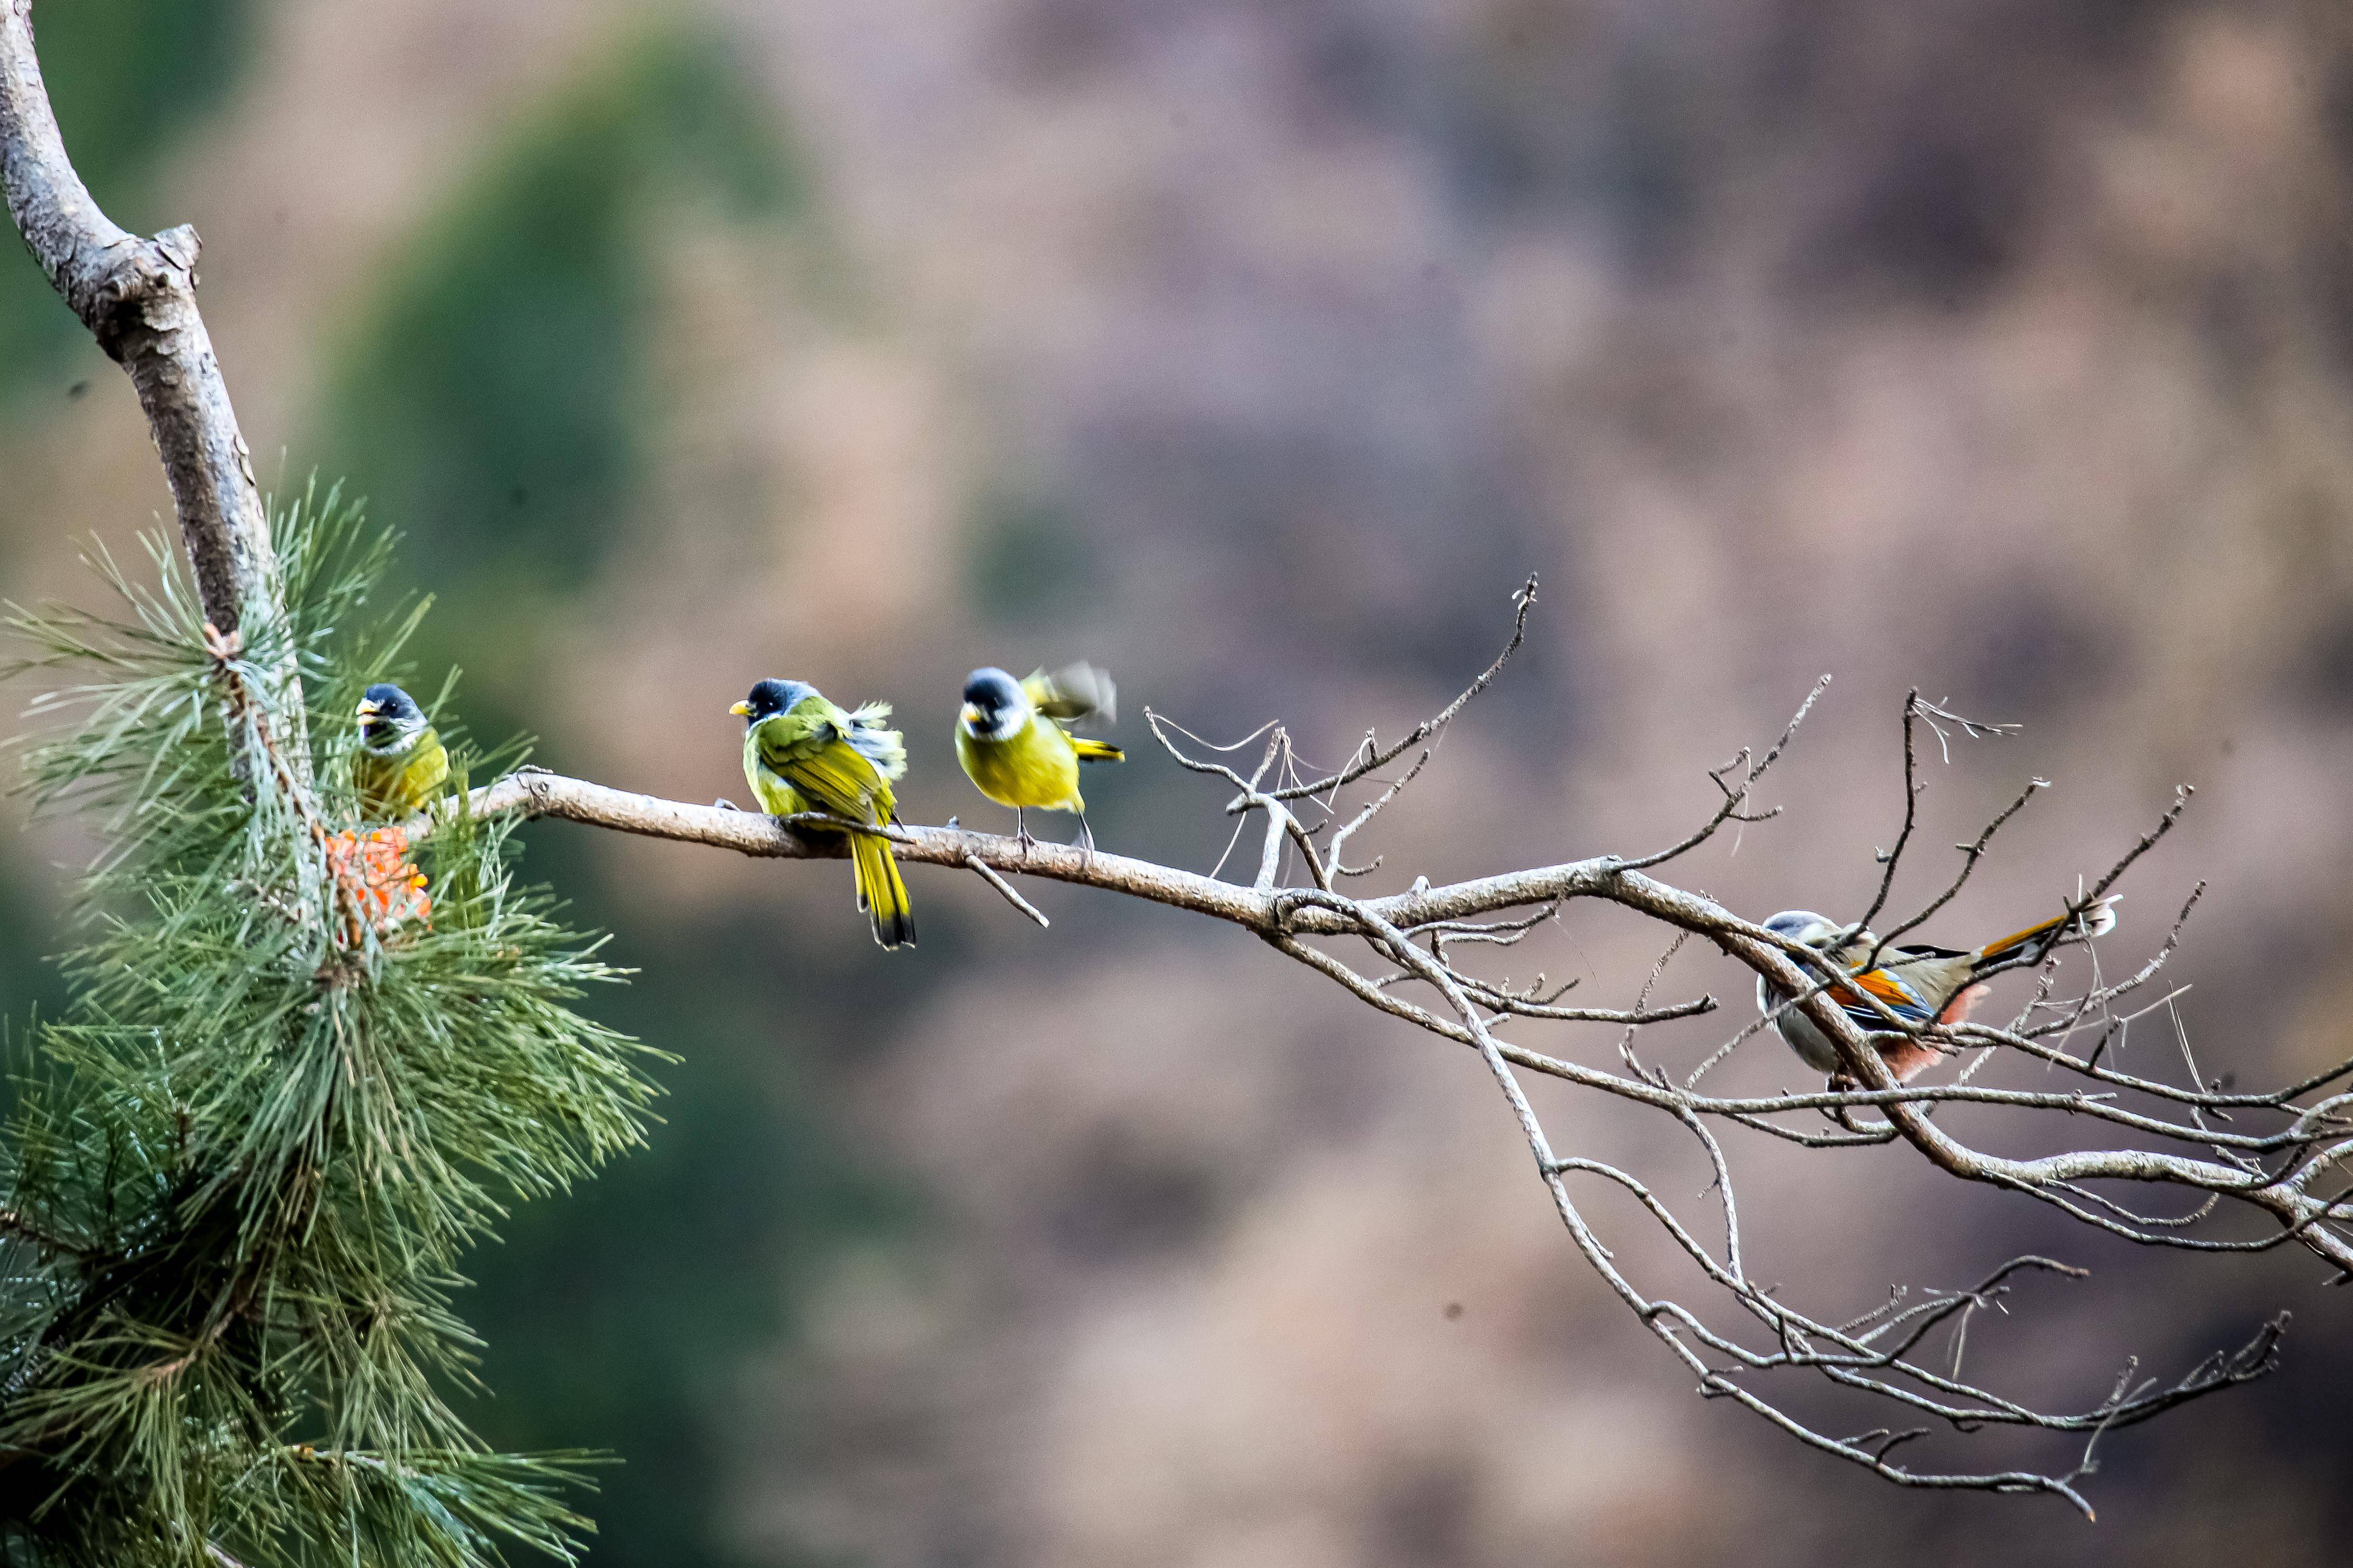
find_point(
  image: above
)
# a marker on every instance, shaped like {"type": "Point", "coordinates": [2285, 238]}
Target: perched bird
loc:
{"type": "Point", "coordinates": [803, 754]}
{"type": "Point", "coordinates": [1014, 739]}
{"type": "Point", "coordinates": [401, 764]}
{"type": "Point", "coordinates": [1917, 984]}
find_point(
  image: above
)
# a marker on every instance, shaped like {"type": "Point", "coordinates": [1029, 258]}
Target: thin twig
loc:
{"type": "Point", "coordinates": [990, 876]}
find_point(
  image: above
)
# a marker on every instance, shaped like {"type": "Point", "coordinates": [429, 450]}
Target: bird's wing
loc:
{"type": "Point", "coordinates": [1889, 988]}
{"type": "Point", "coordinates": [1074, 691]}
{"type": "Point", "coordinates": [840, 780]}
{"type": "Point", "coordinates": [427, 769]}
{"type": "Point", "coordinates": [786, 738]}
{"type": "Point", "coordinates": [807, 747]}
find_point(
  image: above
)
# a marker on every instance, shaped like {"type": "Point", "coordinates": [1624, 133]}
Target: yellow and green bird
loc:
{"type": "Point", "coordinates": [802, 753]}
{"type": "Point", "coordinates": [1014, 739]}
{"type": "Point", "coordinates": [400, 765]}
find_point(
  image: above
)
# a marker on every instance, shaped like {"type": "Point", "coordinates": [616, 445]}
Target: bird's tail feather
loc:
{"type": "Point", "coordinates": [2097, 920]}
{"type": "Point", "coordinates": [881, 892]}
{"type": "Point", "coordinates": [1096, 751]}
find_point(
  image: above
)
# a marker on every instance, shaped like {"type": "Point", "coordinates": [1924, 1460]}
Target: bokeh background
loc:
{"type": "Point", "coordinates": [2000, 347]}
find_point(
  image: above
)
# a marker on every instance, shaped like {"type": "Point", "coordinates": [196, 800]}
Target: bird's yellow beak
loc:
{"type": "Point", "coordinates": [971, 715]}
{"type": "Point", "coordinates": [368, 709]}
{"type": "Point", "coordinates": [742, 709]}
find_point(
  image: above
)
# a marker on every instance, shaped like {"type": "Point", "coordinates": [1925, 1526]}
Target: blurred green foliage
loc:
{"type": "Point", "coordinates": [627, 1314]}
{"type": "Point", "coordinates": [493, 406]}
{"type": "Point", "coordinates": [1027, 561]}
{"type": "Point", "coordinates": [29, 983]}
{"type": "Point", "coordinates": [493, 401]}
{"type": "Point", "coordinates": [124, 77]}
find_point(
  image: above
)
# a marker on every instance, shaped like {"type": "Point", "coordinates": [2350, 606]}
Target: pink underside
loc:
{"type": "Point", "coordinates": [1907, 1060]}
{"type": "Point", "coordinates": [1958, 1007]}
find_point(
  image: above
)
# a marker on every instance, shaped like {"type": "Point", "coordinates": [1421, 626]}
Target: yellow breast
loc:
{"type": "Point", "coordinates": [1038, 768]}
{"type": "Point", "coordinates": [776, 797]}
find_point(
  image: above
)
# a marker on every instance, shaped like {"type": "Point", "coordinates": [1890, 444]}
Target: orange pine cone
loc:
{"type": "Point", "coordinates": [375, 869]}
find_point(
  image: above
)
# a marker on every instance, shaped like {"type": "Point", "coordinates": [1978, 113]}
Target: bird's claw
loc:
{"type": "Point", "coordinates": [723, 804]}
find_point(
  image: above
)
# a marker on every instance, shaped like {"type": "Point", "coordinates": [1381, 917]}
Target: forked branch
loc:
{"type": "Point", "coordinates": [2274, 1159]}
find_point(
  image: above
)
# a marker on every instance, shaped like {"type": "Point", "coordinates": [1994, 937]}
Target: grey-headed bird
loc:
{"type": "Point", "coordinates": [1918, 984]}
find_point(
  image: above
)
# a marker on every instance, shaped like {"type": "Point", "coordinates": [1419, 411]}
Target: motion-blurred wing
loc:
{"type": "Point", "coordinates": [1072, 692]}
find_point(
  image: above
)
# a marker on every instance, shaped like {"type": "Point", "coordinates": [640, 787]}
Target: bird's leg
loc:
{"type": "Point", "coordinates": [1840, 1083]}
{"type": "Point", "coordinates": [1021, 834]}
{"type": "Point", "coordinates": [1086, 841]}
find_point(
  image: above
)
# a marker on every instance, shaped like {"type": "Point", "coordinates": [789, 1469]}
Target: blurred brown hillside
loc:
{"type": "Point", "coordinates": [1999, 347]}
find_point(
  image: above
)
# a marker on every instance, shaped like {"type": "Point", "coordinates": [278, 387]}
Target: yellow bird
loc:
{"type": "Point", "coordinates": [1015, 742]}
{"type": "Point", "coordinates": [802, 753]}
{"type": "Point", "coordinates": [401, 764]}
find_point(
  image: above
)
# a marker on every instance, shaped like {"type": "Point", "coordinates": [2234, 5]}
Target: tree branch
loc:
{"type": "Point", "coordinates": [2271, 1172]}
{"type": "Point", "coordinates": [138, 298]}
{"type": "Point", "coordinates": [1282, 915]}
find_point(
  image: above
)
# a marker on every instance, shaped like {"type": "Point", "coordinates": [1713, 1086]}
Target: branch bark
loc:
{"type": "Point", "coordinates": [137, 296]}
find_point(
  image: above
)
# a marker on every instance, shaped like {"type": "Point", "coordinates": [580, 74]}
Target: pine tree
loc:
{"type": "Point", "coordinates": [306, 1063]}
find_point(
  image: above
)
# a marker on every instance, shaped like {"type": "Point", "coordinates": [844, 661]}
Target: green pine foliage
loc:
{"type": "Point", "coordinates": [284, 1100]}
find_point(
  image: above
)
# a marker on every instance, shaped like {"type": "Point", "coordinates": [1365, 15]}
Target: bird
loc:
{"type": "Point", "coordinates": [401, 764]}
{"type": "Point", "coordinates": [1918, 984]}
{"type": "Point", "coordinates": [803, 754]}
{"type": "Point", "coordinates": [1014, 739]}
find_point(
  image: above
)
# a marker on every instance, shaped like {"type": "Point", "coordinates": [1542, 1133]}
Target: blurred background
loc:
{"type": "Point", "coordinates": [1999, 347]}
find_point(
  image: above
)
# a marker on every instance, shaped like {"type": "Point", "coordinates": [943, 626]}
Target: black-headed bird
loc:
{"type": "Point", "coordinates": [1918, 984]}
{"type": "Point", "coordinates": [401, 764]}
{"type": "Point", "coordinates": [802, 753]}
{"type": "Point", "coordinates": [1014, 739]}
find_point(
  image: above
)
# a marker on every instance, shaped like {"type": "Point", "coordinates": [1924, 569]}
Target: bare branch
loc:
{"type": "Point", "coordinates": [2181, 794]}
{"type": "Point", "coordinates": [1369, 760]}
{"type": "Point", "coordinates": [1479, 911]}
{"type": "Point", "coordinates": [137, 297]}
{"type": "Point", "coordinates": [990, 876]}
{"type": "Point", "coordinates": [1736, 799]}
{"type": "Point", "coordinates": [1912, 709]}
{"type": "Point", "coordinates": [1971, 855]}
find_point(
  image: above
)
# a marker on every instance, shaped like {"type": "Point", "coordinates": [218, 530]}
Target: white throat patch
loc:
{"type": "Point", "coordinates": [1008, 724]}
{"type": "Point", "coordinates": [402, 736]}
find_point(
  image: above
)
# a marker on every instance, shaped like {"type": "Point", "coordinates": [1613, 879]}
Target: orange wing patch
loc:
{"type": "Point", "coordinates": [1889, 988]}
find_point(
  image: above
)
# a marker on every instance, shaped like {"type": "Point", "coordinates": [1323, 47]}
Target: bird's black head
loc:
{"type": "Point", "coordinates": [389, 718]}
{"type": "Point", "coordinates": [994, 707]}
{"type": "Point", "coordinates": [772, 697]}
